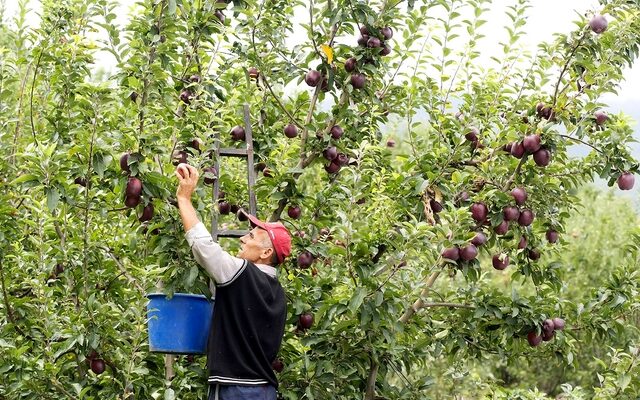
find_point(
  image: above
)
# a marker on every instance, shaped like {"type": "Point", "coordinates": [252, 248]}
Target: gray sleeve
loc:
{"type": "Point", "coordinates": [219, 264]}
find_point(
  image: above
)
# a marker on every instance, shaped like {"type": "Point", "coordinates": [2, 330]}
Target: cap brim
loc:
{"type": "Point", "coordinates": [254, 221]}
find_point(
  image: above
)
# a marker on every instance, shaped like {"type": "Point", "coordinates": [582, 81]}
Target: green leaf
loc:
{"type": "Point", "coordinates": [24, 178]}
{"type": "Point", "coordinates": [623, 381]}
{"type": "Point", "coordinates": [172, 7]}
{"type": "Point", "coordinates": [356, 300]}
{"type": "Point", "coordinates": [53, 196]}
{"type": "Point", "coordinates": [442, 334]}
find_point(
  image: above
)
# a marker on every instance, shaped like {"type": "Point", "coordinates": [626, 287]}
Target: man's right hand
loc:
{"type": "Point", "coordinates": [187, 181]}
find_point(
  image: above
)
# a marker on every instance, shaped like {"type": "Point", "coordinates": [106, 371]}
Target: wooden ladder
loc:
{"type": "Point", "coordinates": [251, 177]}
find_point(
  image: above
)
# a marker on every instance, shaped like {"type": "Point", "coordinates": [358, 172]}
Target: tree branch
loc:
{"type": "Point", "coordinates": [371, 381]}
{"type": "Point", "coordinates": [566, 65]}
{"type": "Point", "coordinates": [450, 305]}
{"type": "Point", "coordinates": [418, 304]}
{"type": "Point", "coordinates": [515, 174]}
{"type": "Point", "coordinates": [583, 142]}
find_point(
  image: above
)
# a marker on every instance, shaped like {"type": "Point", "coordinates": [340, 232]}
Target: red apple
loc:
{"type": "Point", "coordinates": [186, 95]}
{"type": "Point", "coordinates": [452, 253]}
{"type": "Point", "coordinates": [552, 236]}
{"type": "Point", "coordinates": [80, 181]}
{"type": "Point", "coordinates": [526, 217]}
{"type": "Point", "coordinates": [305, 259]}
{"type": "Point", "coordinates": [277, 365]}
{"type": "Point", "coordinates": [519, 195]}
{"type": "Point", "coordinates": [601, 117]}
{"type": "Point", "coordinates": [387, 33]}
{"type": "Point", "coordinates": [350, 64]}
{"type": "Point", "coordinates": [534, 254]}
{"type": "Point", "coordinates": [598, 24]}
{"type": "Point", "coordinates": [502, 228]}
{"type": "Point", "coordinates": [342, 159]}
{"type": "Point", "coordinates": [472, 134]}
{"type": "Point", "coordinates": [522, 243]}
{"type": "Point", "coordinates": [479, 239]}
{"type": "Point", "coordinates": [542, 157]}
{"type": "Point", "coordinates": [294, 212]}
{"type": "Point", "coordinates": [373, 42]}
{"type": "Point", "coordinates": [547, 326]}
{"type": "Point", "coordinates": [97, 366]}
{"type": "Point", "coordinates": [210, 174]}
{"type": "Point", "coordinates": [237, 133]}
{"type": "Point", "coordinates": [147, 213]}
{"type": "Point", "coordinates": [305, 321]}
{"type": "Point", "coordinates": [531, 143]}
{"type": "Point", "coordinates": [511, 213]}
{"type": "Point", "coordinates": [336, 132]}
{"type": "Point", "coordinates": [291, 131]}
{"type": "Point", "coordinates": [131, 201]}
{"type": "Point", "coordinates": [547, 336]}
{"type": "Point", "coordinates": [626, 181]}
{"type": "Point", "coordinates": [469, 252]}
{"type": "Point", "coordinates": [479, 211]}
{"type": "Point", "coordinates": [517, 150]}
{"type": "Point", "coordinates": [436, 207]}
{"type": "Point", "coordinates": [179, 157]}
{"type": "Point", "coordinates": [558, 324]}
{"type": "Point", "coordinates": [330, 153]}
{"type": "Point", "coordinates": [124, 163]}
{"type": "Point", "coordinates": [358, 81]}
{"type": "Point", "coordinates": [134, 187]}
{"type": "Point", "coordinates": [333, 167]}
{"type": "Point", "coordinates": [312, 78]}
{"type": "Point", "coordinates": [224, 207]}
{"type": "Point", "coordinates": [500, 261]}
{"type": "Point", "coordinates": [534, 339]}
{"type": "Point", "coordinates": [253, 73]}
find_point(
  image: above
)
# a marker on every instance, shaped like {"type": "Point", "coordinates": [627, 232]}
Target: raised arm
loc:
{"type": "Point", "coordinates": [219, 264]}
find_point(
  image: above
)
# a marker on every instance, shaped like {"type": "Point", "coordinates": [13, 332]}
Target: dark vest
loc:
{"type": "Point", "coordinates": [247, 329]}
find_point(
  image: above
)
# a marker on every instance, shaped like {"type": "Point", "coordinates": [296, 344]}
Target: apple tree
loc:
{"type": "Point", "coordinates": [428, 189]}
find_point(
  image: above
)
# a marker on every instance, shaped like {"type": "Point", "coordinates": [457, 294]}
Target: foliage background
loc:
{"type": "Point", "coordinates": [76, 264]}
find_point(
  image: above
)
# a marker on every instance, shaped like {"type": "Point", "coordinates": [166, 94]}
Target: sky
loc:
{"type": "Point", "coordinates": [545, 17]}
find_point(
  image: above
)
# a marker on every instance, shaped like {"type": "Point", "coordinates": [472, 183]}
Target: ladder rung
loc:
{"type": "Point", "coordinates": [232, 233]}
{"type": "Point", "coordinates": [231, 152]}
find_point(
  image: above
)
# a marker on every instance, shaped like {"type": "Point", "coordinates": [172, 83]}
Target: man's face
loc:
{"type": "Point", "coordinates": [256, 247]}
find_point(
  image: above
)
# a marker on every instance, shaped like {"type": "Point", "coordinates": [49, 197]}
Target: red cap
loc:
{"type": "Point", "coordinates": [279, 235]}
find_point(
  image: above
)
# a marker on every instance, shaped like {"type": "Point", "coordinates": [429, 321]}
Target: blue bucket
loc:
{"type": "Point", "coordinates": [179, 325]}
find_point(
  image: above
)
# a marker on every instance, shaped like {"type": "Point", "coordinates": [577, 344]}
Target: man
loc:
{"type": "Point", "coordinates": [250, 309]}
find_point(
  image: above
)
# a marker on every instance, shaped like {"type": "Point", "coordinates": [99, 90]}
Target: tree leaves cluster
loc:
{"type": "Point", "coordinates": [392, 318]}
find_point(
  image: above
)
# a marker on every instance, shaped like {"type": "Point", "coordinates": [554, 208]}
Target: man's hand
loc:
{"type": "Point", "coordinates": [187, 181]}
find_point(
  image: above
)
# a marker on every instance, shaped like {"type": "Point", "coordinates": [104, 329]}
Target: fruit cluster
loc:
{"type": "Point", "coordinates": [548, 331]}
